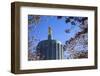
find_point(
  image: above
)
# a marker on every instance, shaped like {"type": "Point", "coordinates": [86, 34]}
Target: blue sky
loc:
{"type": "Point", "coordinates": [39, 31]}
{"type": "Point", "coordinates": [58, 26]}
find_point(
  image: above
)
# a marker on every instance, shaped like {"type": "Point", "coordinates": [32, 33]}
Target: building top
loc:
{"type": "Point", "coordinates": [49, 40]}
{"type": "Point", "coordinates": [49, 33]}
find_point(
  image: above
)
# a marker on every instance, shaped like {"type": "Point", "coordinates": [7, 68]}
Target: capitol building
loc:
{"type": "Point", "coordinates": [50, 49]}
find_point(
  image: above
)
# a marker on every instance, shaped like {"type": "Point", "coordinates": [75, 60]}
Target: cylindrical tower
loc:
{"type": "Point", "coordinates": [50, 49]}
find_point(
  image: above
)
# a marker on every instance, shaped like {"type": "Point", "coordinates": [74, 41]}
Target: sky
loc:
{"type": "Point", "coordinates": [58, 26]}
{"type": "Point", "coordinates": [39, 31]}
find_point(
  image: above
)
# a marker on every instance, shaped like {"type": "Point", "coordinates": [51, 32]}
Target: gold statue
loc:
{"type": "Point", "coordinates": [49, 33]}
